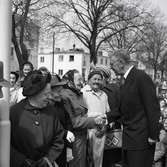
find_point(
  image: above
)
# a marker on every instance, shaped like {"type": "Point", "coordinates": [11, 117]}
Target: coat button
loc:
{"type": "Point", "coordinates": [35, 112]}
{"type": "Point", "coordinates": [37, 123]}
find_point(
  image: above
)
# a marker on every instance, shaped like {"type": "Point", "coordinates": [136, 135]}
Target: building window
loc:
{"type": "Point", "coordinates": [60, 72]}
{"type": "Point", "coordinates": [61, 57]}
{"type": "Point", "coordinates": [42, 59]}
{"type": "Point", "coordinates": [101, 61]}
{"type": "Point", "coordinates": [71, 58]}
{"type": "Point", "coordinates": [106, 62]}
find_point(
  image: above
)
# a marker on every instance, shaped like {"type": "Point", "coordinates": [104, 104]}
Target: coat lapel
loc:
{"type": "Point", "coordinates": [128, 82]}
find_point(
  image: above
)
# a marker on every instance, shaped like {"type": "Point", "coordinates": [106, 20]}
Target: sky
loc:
{"type": "Point", "coordinates": [162, 5]}
{"type": "Point", "coordinates": [68, 43]}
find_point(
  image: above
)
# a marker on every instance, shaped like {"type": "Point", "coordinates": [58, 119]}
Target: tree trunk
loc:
{"type": "Point", "coordinates": [162, 73]}
{"type": "Point", "coordinates": [155, 73]}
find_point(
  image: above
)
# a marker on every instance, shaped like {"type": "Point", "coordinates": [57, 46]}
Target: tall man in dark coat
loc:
{"type": "Point", "coordinates": [139, 111]}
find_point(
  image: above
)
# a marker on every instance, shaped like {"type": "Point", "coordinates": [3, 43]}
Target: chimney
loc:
{"type": "Point", "coordinates": [74, 46]}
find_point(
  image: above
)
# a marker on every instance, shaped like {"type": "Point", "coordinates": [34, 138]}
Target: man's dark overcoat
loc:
{"type": "Point", "coordinates": [139, 111]}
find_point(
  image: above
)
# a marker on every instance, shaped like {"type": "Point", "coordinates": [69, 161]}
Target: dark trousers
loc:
{"type": "Point", "coordinates": [138, 158]}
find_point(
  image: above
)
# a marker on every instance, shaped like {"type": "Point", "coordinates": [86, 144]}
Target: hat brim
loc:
{"type": "Point", "coordinates": [5, 83]}
{"type": "Point", "coordinates": [58, 84]}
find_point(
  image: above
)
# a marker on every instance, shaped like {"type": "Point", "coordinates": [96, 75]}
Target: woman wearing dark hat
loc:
{"type": "Point", "coordinates": [77, 110]}
{"type": "Point", "coordinates": [36, 133]}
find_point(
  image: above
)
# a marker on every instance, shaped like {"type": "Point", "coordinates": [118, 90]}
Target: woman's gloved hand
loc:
{"type": "Point", "coordinates": [70, 137]}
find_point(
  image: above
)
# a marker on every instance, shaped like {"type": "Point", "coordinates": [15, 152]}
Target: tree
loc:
{"type": "Point", "coordinates": [23, 14]}
{"type": "Point", "coordinates": [19, 20]}
{"type": "Point", "coordinates": [163, 65]}
{"type": "Point", "coordinates": [153, 45]}
{"type": "Point", "coordinates": [92, 22]}
{"type": "Point", "coordinates": [129, 38]}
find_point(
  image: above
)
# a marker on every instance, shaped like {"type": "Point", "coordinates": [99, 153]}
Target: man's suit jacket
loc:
{"type": "Point", "coordinates": [139, 110]}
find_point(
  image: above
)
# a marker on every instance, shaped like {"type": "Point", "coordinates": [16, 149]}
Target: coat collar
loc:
{"type": "Point", "coordinates": [127, 72]}
{"type": "Point", "coordinates": [28, 106]}
{"type": "Point", "coordinates": [130, 76]}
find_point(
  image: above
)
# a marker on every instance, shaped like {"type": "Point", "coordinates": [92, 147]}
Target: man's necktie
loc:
{"type": "Point", "coordinates": [122, 81]}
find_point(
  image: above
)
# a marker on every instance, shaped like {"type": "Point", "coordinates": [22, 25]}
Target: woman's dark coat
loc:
{"type": "Point", "coordinates": [35, 133]}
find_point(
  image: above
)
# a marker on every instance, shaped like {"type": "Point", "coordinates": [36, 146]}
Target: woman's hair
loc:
{"type": "Point", "coordinates": [30, 64]}
{"type": "Point", "coordinates": [16, 75]}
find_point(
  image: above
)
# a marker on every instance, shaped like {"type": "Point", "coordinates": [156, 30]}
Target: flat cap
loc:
{"type": "Point", "coordinates": [94, 72]}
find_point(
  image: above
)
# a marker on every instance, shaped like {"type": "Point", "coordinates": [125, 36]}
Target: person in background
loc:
{"type": "Point", "coordinates": [36, 133]}
{"type": "Point", "coordinates": [3, 82]}
{"type": "Point", "coordinates": [139, 112]}
{"type": "Point", "coordinates": [77, 110]}
{"type": "Point", "coordinates": [27, 67]}
{"type": "Point", "coordinates": [44, 70]}
{"type": "Point", "coordinates": [97, 103]}
{"type": "Point", "coordinates": [69, 138]}
{"type": "Point", "coordinates": [14, 88]}
{"type": "Point", "coordinates": [162, 103]}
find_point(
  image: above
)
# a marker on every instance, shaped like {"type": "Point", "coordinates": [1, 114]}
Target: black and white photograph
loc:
{"type": "Point", "coordinates": [83, 83]}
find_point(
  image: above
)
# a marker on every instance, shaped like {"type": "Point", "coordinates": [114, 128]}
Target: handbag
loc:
{"type": "Point", "coordinates": [113, 139]}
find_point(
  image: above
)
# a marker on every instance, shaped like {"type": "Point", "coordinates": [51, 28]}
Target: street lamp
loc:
{"type": "Point", "coordinates": [53, 52]}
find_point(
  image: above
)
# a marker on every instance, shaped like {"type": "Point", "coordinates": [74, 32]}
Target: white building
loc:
{"type": "Point", "coordinates": [62, 61]}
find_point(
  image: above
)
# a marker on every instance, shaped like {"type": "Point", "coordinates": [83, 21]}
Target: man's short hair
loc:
{"type": "Point", "coordinates": [123, 54]}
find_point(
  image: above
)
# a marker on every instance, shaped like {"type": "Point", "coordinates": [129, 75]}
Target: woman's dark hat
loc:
{"type": "Point", "coordinates": [34, 82]}
{"type": "Point", "coordinates": [56, 81]}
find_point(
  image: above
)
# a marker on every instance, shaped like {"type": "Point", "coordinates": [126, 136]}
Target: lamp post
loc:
{"type": "Point", "coordinates": [53, 53]}
{"type": "Point", "coordinates": [5, 43]}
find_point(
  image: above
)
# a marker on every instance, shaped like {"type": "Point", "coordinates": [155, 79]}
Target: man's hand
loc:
{"type": "Point", "coordinates": [70, 137]}
{"type": "Point", "coordinates": [101, 119]}
{"type": "Point", "coordinates": [151, 141]}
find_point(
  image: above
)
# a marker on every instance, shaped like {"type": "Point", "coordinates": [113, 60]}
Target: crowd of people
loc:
{"type": "Point", "coordinates": [64, 122]}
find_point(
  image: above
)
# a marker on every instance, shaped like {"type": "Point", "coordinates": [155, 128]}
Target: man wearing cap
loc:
{"type": "Point", "coordinates": [113, 92]}
{"type": "Point", "coordinates": [97, 102]}
{"type": "Point", "coordinates": [36, 133]}
{"type": "Point", "coordinates": [139, 112]}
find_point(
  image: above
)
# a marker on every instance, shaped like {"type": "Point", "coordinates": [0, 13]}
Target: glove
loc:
{"type": "Point", "coordinates": [70, 137]}
{"type": "Point", "coordinates": [28, 163]}
{"type": "Point", "coordinates": [43, 162]}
